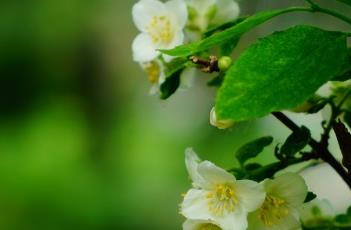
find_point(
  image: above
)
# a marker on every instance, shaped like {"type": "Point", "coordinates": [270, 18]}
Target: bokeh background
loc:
{"type": "Point", "coordinates": [82, 144]}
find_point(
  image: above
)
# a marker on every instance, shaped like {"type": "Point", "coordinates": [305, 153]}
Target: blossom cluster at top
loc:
{"type": "Point", "coordinates": [165, 25]}
{"type": "Point", "coordinates": [219, 201]}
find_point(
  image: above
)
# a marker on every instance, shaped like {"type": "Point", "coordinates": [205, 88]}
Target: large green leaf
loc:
{"type": "Point", "coordinates": [229, 34]}
{"type": "Point", "coordinates": [280, 72]}
{"type": "Point", "coordinates": [348, 2]}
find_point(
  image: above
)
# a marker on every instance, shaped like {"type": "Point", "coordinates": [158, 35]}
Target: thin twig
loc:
{"type": "Point", "coordinates": [320, 149]}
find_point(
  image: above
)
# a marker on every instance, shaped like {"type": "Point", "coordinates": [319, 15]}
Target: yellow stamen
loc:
{"type": "Point", "coordinates": [153, 71]}
{"type": "Point", "coordinates": [160, 30]}
{"type": "Point", "coordinates": [273, 210]}
{"type": "Point", "coordinates": [222, 200]}
{"type": "Point", "coordinates": [208, 226]}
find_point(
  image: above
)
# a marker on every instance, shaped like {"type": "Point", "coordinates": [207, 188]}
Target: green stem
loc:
{"type": "Point", "coordinates": [271, 169]}
{"type": "Point", "coordinates": [316, 8]}
{"type": "Point", "coordinates": [344, 99]}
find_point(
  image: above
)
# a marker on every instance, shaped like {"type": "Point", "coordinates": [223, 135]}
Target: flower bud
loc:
{"type": "Point", "coordinates": [221, 124]}
{"type": "Point", "coordinates": [224, 62]}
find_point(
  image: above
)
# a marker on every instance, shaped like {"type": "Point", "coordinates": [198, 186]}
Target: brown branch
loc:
{"type": "Point", "coordinates": [319, 148]}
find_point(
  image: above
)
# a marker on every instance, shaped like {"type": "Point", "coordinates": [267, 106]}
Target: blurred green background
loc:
{"type": "Point", "coordinates": [82, 144]}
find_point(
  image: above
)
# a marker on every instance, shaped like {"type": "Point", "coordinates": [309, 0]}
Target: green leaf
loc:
{"type": "Point", "coordinates": [226, 48]}
{"type": "Point", "coordinates": [224, 26]}
{"type": "Point", "coordinates": [310, 196]}
{"type": "Point", "coordinates": [345, 73]}
{"type": "Point", "coordinates": [280, 72]}
{"type": "Point", "coordinates": [172, 72]}
{"type": "Point", "coordinates": [347, 2]}
{"type": "Point", "coordinates": [229, 34]}
{"type": "Point", "coordinates": [342, 219]}
{"type": "Point", "coordinates": [217, 81]}
{"type": "Point", "coordinates": [252, 166]}
{"type": "Point", "coordinates": [252, 149]}
{"type": "Point", "coordinates": [296, 142]}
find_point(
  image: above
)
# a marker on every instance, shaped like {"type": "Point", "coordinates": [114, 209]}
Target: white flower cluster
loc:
{"type": "Point", "coordinates": [219, 201]}
{"type": "Point", "coordinates": [163, 26]}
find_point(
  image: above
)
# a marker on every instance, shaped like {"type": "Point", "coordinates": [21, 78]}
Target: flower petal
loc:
{"type": "Point", "coordinates": [196, 224]}
{"type": "Point", "coordinates": [236, 220]}
{"type": "Point", "coordinates": [250, 193]}
{"type": "Point", "coordinates": [226, 11]}
{"type": "Point", "coordinates": [192, 162]}
{"type": "Point", "coordinates": [144, 10]}
{"type": "Point", "coordinates": [213, 174]}
{"type": "Point", "coordinates": [195, 205]}
{"type": "Point", "coordinates": [187, 78]}
{"type": "Point", "coordinates": [254, 222]}
{"type": "Point", "coordinates": [201, 5]}
{"type": "Point", "coordinates": [179, 10]}
{"type": "Point", "coordinates": [289, 186]}
{"type": "Point", "coordinates": [143, 50]}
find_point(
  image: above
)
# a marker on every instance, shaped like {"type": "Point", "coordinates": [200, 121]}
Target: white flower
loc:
{"type": "Point", "coordinates": [221, 124]}
{"type": "Point", "coordinates": [200, 225]}
{"type": "Point", "coordinates": [284, 196]}
{"type": "Point", "coordinates": [155, 73]}
{"type": "Point", "coordinates": [217, 196]}
{"type": "Point", "coordinates": [161, 26]}
{"type": "Point", "coordinates": [204, 13]}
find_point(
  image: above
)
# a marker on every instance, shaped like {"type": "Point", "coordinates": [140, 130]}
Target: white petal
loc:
{"type": "Point", "coordinates": [192, 162]}
{"type": "Point", "coordinates": [187, 78]}
{"type": "Point", "coordinates": [288, 223]}
{"type": "Point", "coordinates": [213, 174]}
{"type": "Point", "coordinates": [195, 205]}
{"type": "Point", "coordinates": [234, 221]}
{"type": "Point", "coordinates": [144, 10]}
{"type": "Point", "coordinates": [196, 224]}
{"type": "Point", "coordinates": [177, 40]}
{"type": "Point", "coordinates": [201, 6]}
{"type": "Point", "coordinates": [226, 11]}
{"type": "Point", "coordinates": [143, 50]}
{"type": "Point", "coordinates": [250, 193]}
{"type": "Point", "coordinates": [254, 222]}
{"type": "Point", "coordinates": [179, 10]}
{"type": "Point", "coordinates": [289, 186]}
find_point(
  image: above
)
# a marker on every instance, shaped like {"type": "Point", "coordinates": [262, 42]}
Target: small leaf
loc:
{"type": "Point", "coordinates": [348, 212]}
{"type": "Point", "coordinates": [238, 173]}
{"type": "Point", "coordinates": [217, 81]}
{"type": "Point", "coordinates": [310, 196]}
{"type": "Point", "coordinates": [172, 72]}
{"type": "Point", "coordinates": [296, 142]}
{"type": "Point", "coordinates": [347, 2]}
{"type": "Point", "coordinates": [344, 139]}
{"type": "Point", "coordinates": [280, 71]}
{"type": "Point", "coordinates": [170, 85]}
{"type": "Point", "coordinates": [252, 149]}
{"type": "Point", "coordinates": [226, 48]}
{"type": "Point", "coordinates": [228, 34]}
{"type": "Point", "coordinates": [342, 219]}
{"type": "Point", "coordinates": [252, 166]}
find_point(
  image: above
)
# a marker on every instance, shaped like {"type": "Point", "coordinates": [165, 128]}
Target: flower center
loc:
{"type": "Point", "coordinates": [273, 210]}
{"type": "Point", "coordinates": [208, 226]}
{"type": "Point", "coordinates": [160, 29]}
{"type": "Point", "coordinates": [222, 199]}
{"type": "Point", "coordinates": [153, 72]}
